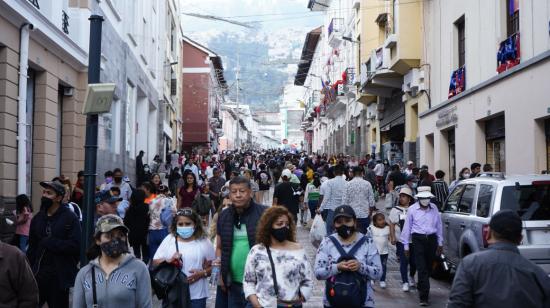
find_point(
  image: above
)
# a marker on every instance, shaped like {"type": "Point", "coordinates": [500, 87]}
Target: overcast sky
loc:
{"type": "Point", "coordinates": [271, 14]}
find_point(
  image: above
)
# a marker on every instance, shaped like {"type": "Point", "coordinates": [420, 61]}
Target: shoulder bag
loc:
{"type": "Point", "coordinates": [276, 287]}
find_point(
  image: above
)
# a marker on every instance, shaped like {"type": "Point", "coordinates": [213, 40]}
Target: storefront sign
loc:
{"type": "Point", "coordinates": [446, 117]}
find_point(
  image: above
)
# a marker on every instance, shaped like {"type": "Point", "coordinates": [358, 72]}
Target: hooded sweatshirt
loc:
{"type": "Point", "coordinates": [128, 285]}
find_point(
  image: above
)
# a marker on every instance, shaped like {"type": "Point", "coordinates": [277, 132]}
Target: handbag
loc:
{"type": "Point", "coordinates": [164, 277]}
{"type": "Point", "coordinates": [276, 287]}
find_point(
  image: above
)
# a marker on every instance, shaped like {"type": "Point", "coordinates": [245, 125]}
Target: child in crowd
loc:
{"type": "Point", "coordinates": [380, 232]}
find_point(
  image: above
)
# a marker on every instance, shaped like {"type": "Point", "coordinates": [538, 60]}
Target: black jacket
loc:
{"type": "Point", "coordinates": [226, 221]}
{"type": "Point", "coordinates": [63, 243]}
{"type": "Point", "coordinates": [137, 221]}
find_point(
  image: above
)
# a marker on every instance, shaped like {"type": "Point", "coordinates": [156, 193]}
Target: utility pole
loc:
{"type": "Point", "coordinates": [238, 139]}
{"type": "Point", "coordinates": [90, 147]}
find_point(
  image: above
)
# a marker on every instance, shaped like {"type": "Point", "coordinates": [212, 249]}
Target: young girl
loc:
{"type": "Point", "coordinates": [23, 209]}
{"type": "Point", "coordinates": [380, 232]}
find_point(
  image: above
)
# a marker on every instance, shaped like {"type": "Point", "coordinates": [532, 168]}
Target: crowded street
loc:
{"type": "Point", "coordinates": [274, 153]}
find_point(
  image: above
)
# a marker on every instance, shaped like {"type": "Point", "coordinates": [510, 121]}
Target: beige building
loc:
{"type": "Point", "coordinates": [496, 110]}
{"type": "Point", "coordinates": [51, 135]}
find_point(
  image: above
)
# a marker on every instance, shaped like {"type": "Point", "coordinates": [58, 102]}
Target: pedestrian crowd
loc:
{"type": "Point", "coordinates": [198, 221]}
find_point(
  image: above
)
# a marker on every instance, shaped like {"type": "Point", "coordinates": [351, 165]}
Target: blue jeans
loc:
{"type": "Point", "coordinates": [329, 222]}
{"type": "Point", "coordinates": [384, 261]}
{"type": "Point", "coordinates": [23, 242]}
{"type": "Point", "coordinates": [405, 262]}
{"type": "Point", "coordinates": [363, 224]}
{"type": "Point", "coordinates": [155, 238]}
{"type": "Point", "coordinates": [233, 298]}
{"type": "Point", "coordinates": [198, 303]}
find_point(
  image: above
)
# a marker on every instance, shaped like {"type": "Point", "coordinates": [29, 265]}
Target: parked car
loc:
{"type": "Point", "coordinates": [469, 207]}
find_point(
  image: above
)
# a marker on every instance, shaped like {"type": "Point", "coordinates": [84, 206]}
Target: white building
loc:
{"type": "Point", "coordinates": [498, 118]}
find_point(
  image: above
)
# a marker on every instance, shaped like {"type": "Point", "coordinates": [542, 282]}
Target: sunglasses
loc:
{"type": "Point", "coordinates": [184, 212]}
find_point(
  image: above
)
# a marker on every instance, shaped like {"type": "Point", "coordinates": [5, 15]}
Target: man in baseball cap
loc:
{"type": "Point", "coordinates": [105, 203]}
{"type": "Point", "coordinates": [500, 276]}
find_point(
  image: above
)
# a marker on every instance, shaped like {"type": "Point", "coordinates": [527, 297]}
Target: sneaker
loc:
{"type": "Point", "coordinates": [383, 284]}
{"type": "Point", "coordinates": [411, 281]}
{"type": "Point", "coordinates": [424, 303]}
{"type": "Point", "coordinates": [406, 287]}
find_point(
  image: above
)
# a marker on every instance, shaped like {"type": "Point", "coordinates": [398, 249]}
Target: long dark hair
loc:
{"type": "Point", "coordinates": [22, 201]}
{"type": "Point", "coordinates": [185, 184]}
{"type": "Point", "coordinates": [316, 180]}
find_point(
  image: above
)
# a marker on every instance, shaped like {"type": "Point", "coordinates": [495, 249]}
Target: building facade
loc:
{"type": "Point", "coordinates": [43, 79]}
{"type": "Point", "coordinates": [488, 88]}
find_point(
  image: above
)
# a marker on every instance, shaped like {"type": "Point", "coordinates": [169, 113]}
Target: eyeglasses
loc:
{"type": "Point", "coordinates": [184, 212]}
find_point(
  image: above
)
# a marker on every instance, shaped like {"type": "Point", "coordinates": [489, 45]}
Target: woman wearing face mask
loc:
{"type": "Point", "coordinates": [119, 279]}
{"type": "Point", "coordinates": [462, 175]}
{"type": "Point", "coordinates": [276, 236]}
{"type": "Point", "coordinates": [366, 261]}
{"type": "Point", "coordinates": [195, 251]}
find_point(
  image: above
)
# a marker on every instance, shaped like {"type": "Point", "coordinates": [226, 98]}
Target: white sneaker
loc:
{"type": "Point", "coordinates": [405, 287]}
{"type": "Point", "coordinates": [383, 284]}
{"type": "Point", "coordinates": [411, 281]}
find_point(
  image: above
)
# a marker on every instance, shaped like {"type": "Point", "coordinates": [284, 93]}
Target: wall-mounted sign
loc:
{"type": "Point", "coordinates": [446, 117]}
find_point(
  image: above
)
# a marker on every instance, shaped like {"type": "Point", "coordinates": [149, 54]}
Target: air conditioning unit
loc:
{"type": "Point", "coordinates": [69, 91]}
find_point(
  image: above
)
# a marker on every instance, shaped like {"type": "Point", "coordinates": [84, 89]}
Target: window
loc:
{"type": "Point", "coordinates": [452, 153]}
{"type": "Point", "coordinates": [461, 43]}
{"type": "Point", "coordinates": [484, 199]}
{"type": "Point", "coordinates": [495, 143]}
{"type": "Point", "coordinates": [467, 199]}
{"type": "Point", "coordinates": [532, 202]}
{"type": "Point", "coordinates": [512, 17]}
{"type": "Point", "coordinates": [453, 199]}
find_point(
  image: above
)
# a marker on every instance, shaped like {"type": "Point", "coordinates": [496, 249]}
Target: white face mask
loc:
{"type": "Point", "coordinates": [424, 202]}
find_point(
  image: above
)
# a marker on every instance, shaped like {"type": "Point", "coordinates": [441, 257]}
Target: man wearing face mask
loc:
{"type": "Point", "coordinates": [125, 188]}
{"type": "Point", "coordinates": [54, 246]}
{"type": "Point", "coordinates": [236, 230]}
{"type": "Point", "coordinates": [424, 230]}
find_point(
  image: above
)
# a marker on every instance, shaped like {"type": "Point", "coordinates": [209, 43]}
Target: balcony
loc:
{"type": "Point", "coordinates": [405, 41]}
{"type": "Point", "coordinates": [318, 5]}
{"type": "Point", "coordinates": [380, 80]}
{"type": "Point", "coordinates": [457, 84]}
{"type": "Point", "coordinates": [335, 31]}
{"type": "Point", "coordinates": [509, 54]}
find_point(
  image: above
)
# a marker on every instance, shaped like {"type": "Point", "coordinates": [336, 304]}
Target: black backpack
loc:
{"type": "Point", "coordinates": [346, 289]}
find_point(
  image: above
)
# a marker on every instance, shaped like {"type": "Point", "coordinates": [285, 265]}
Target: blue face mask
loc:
{"type": "Point", "coordinates": [185, 232]}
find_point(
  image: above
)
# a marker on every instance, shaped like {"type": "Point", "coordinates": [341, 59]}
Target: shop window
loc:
{"type": "Point", "coordinates": [495, 143]}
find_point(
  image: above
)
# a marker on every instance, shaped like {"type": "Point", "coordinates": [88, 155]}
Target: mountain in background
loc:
{"type": "Point", "coordinates": [268, 62]}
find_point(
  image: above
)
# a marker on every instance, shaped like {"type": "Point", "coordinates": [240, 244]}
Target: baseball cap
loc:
{"type": "Point", "coordinates": [287, 173]}
{"type": "Point", "coordinates": [343, 211]}
{"type": "Point", "coordinates": [506, 223]}
{"type": "Point", "coordinates": [105, 196]}
{"type": "Point", "coordinates": [55, 186]}
{"type": "Point", "coordinates": [109, 222]}
{"type": "Point", "coordinates": [424, 192]}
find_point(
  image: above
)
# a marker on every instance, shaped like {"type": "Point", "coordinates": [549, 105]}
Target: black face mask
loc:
{"type": "Point", "coordinates": [280, 234]}
{"type": "Point", "coordinates": [46, 203]}
{"type": "Point", "coordinates": [114, 248]}
{"type": "Point", "coordinates": [345, 231]}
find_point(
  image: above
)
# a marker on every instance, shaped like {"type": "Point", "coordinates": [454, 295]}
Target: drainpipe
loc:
{"type": "Point", "coordinates": [22, 106]}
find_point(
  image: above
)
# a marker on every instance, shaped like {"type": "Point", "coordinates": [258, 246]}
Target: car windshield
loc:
{"type": "Point", "coordinates": [532, 202]}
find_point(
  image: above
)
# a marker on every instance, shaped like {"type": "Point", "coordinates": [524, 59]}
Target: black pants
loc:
{"type": "Point", "coordinates": [141, 250]}
{"type": "Point", "coordinates": [51, 294]}
{"type": "Point", "coordinates": [425, 247]}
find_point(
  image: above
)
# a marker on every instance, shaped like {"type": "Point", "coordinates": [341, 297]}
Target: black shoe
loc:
{"type": "Point", "coordinates": [424, 303]}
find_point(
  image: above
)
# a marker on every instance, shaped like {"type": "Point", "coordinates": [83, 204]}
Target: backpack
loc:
{"type": "Point", "coordinates": [201, 205]}
{"type": "Point", "coordinates": [346, 289]}
{"type": "Point", "coordinates": [75, 209]}
{"type": "Point", "coordinates": [401, 221]}
{"type": "Point", "coordinates": [264, 179]}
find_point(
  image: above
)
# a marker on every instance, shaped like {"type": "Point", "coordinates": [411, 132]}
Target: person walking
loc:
{"type": "Point", "coordinates": [424, 229]}
{"type": "Point", "coordinates": [236, 230]}
{"type": "Point", "coordinates": [125, 188]}
{"type": "Point", "coordinates": [216, 183]}
{"type": "Point", "coordinates": [332, 192]}
{"type": "Point", "coordinates": [440, 188]}
{"type": "Point", "coordinates": [379, 171]}
{"type": "Point", "coordinates": [194, 250]}
{"type": "Point", "coordinates": [113, 278]}
{"type": "Point", "coordinates": [161, 212]}
{"type": "Point", "coordinates": [140, 172]}
{"type": "Point", "coordinates": [312, 194]}
{"type": "Point", "coordinates": [17, 281]}
{"type": "Point", "coordinates": [190, 165]}
{"type": "Point", "coordinates": [263, 178]}
{"type": "Point", "coordinates": [277, 271]}
{"type": "Point", "coordinates": [380, 232]}
{"type": "Point", "coordinates": [54, 247]}
{"type": "Point", "coordinates": [397, 216]}
{"type": "Point", "coordinates": [23, 211]}
{"type": "Point", "coordinates": [358, 194]}
{"type": "Point", "coordinates": [137, 221]}
{"type": "Point", "coordinates": [189, 191]}
{"type": "Point", "coordinates": [500, 276]}
{"type": "Point", "coordinates": [288, 194]}
{"type": "Point", "coordinates": [330, 261]}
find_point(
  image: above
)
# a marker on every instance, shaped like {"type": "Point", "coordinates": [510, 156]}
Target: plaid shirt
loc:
{"type": "Point", "coordinates": [358, 194]}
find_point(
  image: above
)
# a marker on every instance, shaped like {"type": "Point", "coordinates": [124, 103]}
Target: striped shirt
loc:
{"type": "Point", "coordinates": [441, 191]}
